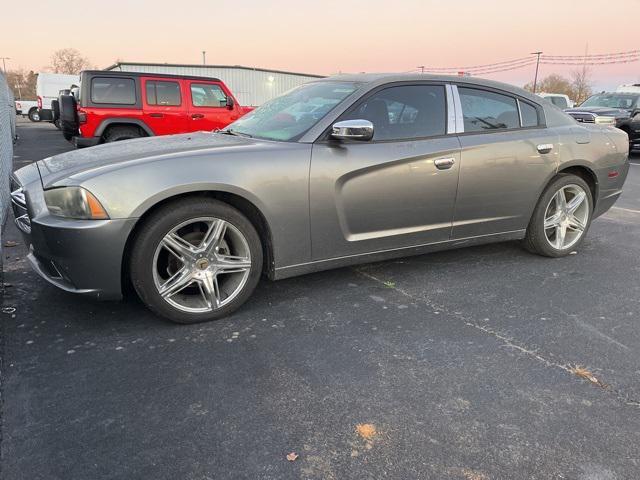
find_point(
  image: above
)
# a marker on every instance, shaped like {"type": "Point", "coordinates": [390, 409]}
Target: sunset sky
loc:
{"type": "Point", "coordinates": [326, 37]}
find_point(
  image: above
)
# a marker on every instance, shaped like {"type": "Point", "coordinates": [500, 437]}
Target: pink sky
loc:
{"type": "Point", "coordinates": [326, 37]}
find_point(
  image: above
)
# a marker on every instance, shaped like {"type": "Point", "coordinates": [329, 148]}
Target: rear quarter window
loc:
{"type": "Point", "coordinates": [529, 115]}
{"type": "Point", "coordinates": [113, 90]}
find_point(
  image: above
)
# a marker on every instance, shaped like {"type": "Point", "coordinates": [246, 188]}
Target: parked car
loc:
{"type": "Point", "coordinates": [192, 221]}
{"type": "Point", "coordinates": [620, 109]}
{"type": "Point", "coordinates": [28, 108]}
{"type": "Point", "coordinates": [560, 100]}
{"type": "Point", "coordinates": [48, 86]}
{"type": "Point", "coordinates": [113, 106]}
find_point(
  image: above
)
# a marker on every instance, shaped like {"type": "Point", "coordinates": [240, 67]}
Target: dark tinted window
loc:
{"type": "Point", "coordinates": [411, 111]}
{"type": "Point", "coordinates": [113, 90]}
{"type": "Point", "coordinates": [206, 95]}
{"type": "Point", "coordinates": [483, 110]}
{"type": "Point", "coordinates": [529, 115]}
{"type": "Point", "coordinates": [163, 93]}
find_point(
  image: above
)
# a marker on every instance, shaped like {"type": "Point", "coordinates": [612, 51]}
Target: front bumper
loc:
{"type": "Point", "coordinates": [80, 256]}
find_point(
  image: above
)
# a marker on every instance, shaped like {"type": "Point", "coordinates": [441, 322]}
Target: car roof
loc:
{"type": "Point", "coordinates": [117, 73]}
{"type": "Point", "coordinates": [376, 79]}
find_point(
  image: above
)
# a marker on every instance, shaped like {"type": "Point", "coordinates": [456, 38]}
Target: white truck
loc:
{"type": "Point", "coordinates": [630, 88]}
{"type": "Point", "coordinates": [48, 88]}
{"type": "Point", "coordinates": [558, 99]}
{"type": "Point", "coordinates": [28, 108]}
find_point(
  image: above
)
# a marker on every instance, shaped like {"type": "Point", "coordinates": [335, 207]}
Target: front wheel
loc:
{"type": "Point", "coordinates": [561, 218]}
{"type": "Point", "coordinates": [196, 260]}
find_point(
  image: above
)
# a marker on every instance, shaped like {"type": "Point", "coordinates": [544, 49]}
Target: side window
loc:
{"type": "Point", "coordinates": [113, 90]}
{"type": "Point", "coordinates": [207, 95]}
{"type": "Point", "coordinates": [483, 110]}
{"type": "Point", "coordinates": [529, 115]}
{"type": "Point", "coordinates": [163, 93]}
{"type": "Point", "coordinates": [404, 112]}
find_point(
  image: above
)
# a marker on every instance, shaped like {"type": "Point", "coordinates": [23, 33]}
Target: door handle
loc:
{"type": "Point", "coordinates": [196, 116]}
{"type": "Point", "coordinates": [444, 163]}
{"type": "Point", "coordinates": [545, 147]}
{"type": "Point", "coordinates": [156, 115]}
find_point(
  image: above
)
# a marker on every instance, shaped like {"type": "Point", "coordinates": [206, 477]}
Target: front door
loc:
{"type": "Point", "coordinates": [506, 156]}
{"type": "Point", "coordinates": [208, 108]}
{"type": "Point", "coordinates": [394, 191]}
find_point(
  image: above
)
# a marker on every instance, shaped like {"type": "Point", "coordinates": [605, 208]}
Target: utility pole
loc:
{"type": "Point", "coordinates": [535, 79]}
{"type": "Point", "coordinates": [421, 67]}
{"type": "Point", "coordinates": [204, 57]}
{"type": "Point", "coordinates": [4, 66]}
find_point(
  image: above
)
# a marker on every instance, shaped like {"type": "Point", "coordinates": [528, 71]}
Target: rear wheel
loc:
{"type": "Point", "coordinates": [196, 260]}
{"type": "Point", "coordinates": [117, 134]}
{"type": "Point", "coordinates": [561, 218]}
{"type": "Point", "coordinates": [34, 116]}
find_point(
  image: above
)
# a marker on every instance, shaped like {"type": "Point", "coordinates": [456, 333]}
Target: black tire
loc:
{"type": "Point", "coordinates": [34, 116]}
{"type": "Point", "coordinates": [57, 124]}
{"type": "Point", "coordinates": [536, 240]}
{"type": "Point", "coordinates": [55, 111]}
{"type": "Point", "coordinates": [117, 134]}
{"type": "Point", "coordinates": [154, 229]}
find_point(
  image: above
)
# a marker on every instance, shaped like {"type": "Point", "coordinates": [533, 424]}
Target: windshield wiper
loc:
{"type": "Point", "coordinates": [228, 131]}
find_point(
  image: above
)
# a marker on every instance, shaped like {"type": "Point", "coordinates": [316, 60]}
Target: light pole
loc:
{"type": "Point", "coordinates": [4, 66]}
{"type": "Point", "coordinates": [204, 57]}
{"type": "Point", "coordinates": [535, 79]}
{"type": "Point", "coordinates": [421, 67]}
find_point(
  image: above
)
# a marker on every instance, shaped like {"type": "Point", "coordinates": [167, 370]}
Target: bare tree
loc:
{"type": "Point", "coordinates": [22, 83]}
{"type": "Point", "coordinates": [69, 61]}
{"type": "Point", "coordinates": [553, 83]}
{"type": "Point", "coordinates": [581, 83]}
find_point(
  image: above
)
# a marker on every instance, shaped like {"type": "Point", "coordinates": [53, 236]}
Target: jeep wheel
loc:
{"type": "Point", "coordinates": [117, 134]}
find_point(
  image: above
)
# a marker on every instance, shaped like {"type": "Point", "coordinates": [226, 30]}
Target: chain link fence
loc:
{"type": "Point", "coordinates": [7, 138]}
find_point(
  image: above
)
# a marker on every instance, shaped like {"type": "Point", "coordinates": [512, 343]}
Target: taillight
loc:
{"type": "Point", "coordinates": [39, 102]}
{"type": "Point", "coordinates": [82, 117]}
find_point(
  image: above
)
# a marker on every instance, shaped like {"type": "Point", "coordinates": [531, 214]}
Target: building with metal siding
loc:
{"type": "Point", "coordinates": [251, 86]}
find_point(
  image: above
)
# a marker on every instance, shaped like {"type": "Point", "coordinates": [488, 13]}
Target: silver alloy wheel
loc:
{"type": "Point", "coordinates": [566, 217]}
{"type": "Point", "coordinates": [201, 265]}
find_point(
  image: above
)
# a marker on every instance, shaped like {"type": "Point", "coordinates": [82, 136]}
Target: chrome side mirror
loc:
{"type": "Point", "coordinates": [353, 130]}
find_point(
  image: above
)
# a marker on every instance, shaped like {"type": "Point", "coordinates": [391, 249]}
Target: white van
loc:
{"type": "Point", "coordinates": [48, 87]}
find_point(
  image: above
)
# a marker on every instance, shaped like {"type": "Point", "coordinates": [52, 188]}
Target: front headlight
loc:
{"type": "Point", "coordinates": [74, 202]}
{"type": "Point", "coordinates": [602, 120]}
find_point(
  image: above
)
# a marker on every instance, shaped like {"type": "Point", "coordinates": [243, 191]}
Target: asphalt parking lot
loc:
{"type": "Point", "coordinates": [463, 361]}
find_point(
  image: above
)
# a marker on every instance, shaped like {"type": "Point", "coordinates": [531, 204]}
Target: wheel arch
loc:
{"type": "Point", "coordinates": [242, 204]}
{"type": "Point", "coordinates": [587, 174]}
{"type": "Point", "coordinates": [122, 122]}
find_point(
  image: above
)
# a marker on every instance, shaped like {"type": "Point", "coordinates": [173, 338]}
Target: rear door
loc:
{"type": "Point", "coordinates": [394, 191]}
{"type": "Point", "coordinates": [208, 108]}
{"type": "Point", "coordinates": [507, 155]}
{"type": "Point", "coordinates": [164, 107]}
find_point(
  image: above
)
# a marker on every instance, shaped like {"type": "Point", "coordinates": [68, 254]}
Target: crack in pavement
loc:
{"type": "Point", "coordinates": [507, 341]}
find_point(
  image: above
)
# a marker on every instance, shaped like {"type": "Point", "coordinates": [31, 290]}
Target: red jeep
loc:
{"type": "Point", "coordinates": [111, 106]}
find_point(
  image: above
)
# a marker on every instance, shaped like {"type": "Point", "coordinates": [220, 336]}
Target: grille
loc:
{"type": "Point", "coordinates": [584, 117]}
{"type": "Point", "coordinates": [19, 204]}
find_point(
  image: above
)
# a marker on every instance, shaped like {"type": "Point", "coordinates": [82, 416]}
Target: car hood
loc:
{"type": "Point", "coordinates": [604, 111]}
{"type": "Point", "coordinates": [83, 162]}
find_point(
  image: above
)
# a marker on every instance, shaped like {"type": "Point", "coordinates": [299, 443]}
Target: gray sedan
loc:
{"type": "Point", "coordinates": [340, 171]}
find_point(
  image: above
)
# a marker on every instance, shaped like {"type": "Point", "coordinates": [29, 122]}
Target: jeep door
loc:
{"type": "Point", "coordinates": [164, 108]}
{"type": "Point", "coordinates": [507, 156]}
{"type": "Point", "coordinates": [396, 190]}
{"type": "Point", "coordinates": [209, 106]}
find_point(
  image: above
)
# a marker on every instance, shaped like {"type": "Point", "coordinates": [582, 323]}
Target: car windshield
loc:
{"type": "Point", "coordinates": [611, 100]}
{"type": "Point", "coordinates": [288, 117]}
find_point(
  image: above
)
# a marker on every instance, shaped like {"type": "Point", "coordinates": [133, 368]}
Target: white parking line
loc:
{"type": "Point", "coordinates": [626, 209]}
